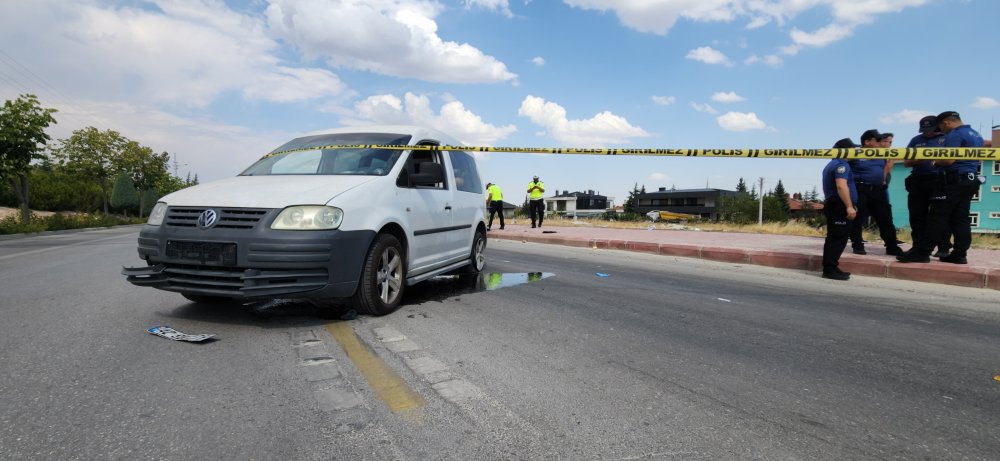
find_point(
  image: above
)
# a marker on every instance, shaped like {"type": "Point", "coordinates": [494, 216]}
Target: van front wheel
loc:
{"type": "Point", "coordinates": [382, 278]}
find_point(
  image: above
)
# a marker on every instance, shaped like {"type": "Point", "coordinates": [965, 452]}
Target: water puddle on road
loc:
{"type": "Point", "coordinates": [444, 287]}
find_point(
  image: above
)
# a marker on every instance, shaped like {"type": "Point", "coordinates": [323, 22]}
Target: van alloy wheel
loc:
{"type": "Point", "coordinates": [390, 275]}
{"type": "Point", "coordinates": [383, 277]}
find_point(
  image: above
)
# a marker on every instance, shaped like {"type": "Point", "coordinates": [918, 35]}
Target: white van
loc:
{"type": "Point", "coordinates": [315, 222]}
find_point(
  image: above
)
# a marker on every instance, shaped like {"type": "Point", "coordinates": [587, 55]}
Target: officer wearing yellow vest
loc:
{"type": "Point", "coordinates": [535, 203]}
{"type": "Point", "coordinates": [494, 201]}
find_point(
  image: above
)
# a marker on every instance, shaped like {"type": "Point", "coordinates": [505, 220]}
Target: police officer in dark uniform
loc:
{"type": "Point", "coordinates": [920, 183]}
{"type": "Point", "coordinates": [873, 198]}
{"type": "Point", "coordinates": [838, 207]}
{"type": "Point", "coordinates": [949, 205]}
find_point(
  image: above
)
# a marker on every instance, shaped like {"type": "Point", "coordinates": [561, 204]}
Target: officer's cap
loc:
{"type": "Point", "coordinates": [845, 143]}
{"type": "Point", "coordinates": [883, 136]}
{"type": "Point", "coordinates": [946, 115]}
{"type": "Point", "coordinates": [870, 134]}
{"type": "Point", "coordinates": [928, 123]}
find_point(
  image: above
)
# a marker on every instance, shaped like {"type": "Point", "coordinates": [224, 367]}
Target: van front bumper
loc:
{"type": "Point", "coordinates": [251, 263]}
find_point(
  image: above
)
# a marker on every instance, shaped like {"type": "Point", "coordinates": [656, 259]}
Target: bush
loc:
{"type": "Point", "coordinates": [13, 225]}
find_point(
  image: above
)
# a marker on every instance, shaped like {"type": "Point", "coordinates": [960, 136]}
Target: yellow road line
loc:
{"type": "Point", "coordinates": [387, 385]}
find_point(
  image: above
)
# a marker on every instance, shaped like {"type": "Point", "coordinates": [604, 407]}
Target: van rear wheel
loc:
{"type": "Point", "coordinates": [477, 258]}
{"type": "Point", "coordinates": [382, 278]}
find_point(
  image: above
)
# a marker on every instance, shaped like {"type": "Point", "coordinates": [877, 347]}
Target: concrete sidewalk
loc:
{"type": "Point", "coordinates": [784, 251]}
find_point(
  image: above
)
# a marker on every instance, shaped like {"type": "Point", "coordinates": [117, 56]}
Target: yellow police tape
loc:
{"type": "Point", "coordinates": [891, 153]}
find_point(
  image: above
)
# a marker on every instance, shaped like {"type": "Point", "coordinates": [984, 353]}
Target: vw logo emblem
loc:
{"type": "Point", "coordinates": [207, 219]}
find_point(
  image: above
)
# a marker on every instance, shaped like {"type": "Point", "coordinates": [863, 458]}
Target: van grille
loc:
{"type": "Point", "coordinates": [229, 218]}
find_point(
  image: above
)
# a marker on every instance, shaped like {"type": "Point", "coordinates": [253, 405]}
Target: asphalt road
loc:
{"type": "Point", "coordinates": [662, 358]}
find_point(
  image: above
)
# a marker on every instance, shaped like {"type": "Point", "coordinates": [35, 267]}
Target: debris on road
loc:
{"type": "Point", "coordinates": [601, 274]}
{"type": "Point", "coordinates": [170, 333]}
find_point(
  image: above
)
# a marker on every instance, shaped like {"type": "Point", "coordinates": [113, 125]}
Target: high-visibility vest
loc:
{"type": "Point", "coordinates": [535, 194]}
{"type": "Point", "coordinates": [495, 193]}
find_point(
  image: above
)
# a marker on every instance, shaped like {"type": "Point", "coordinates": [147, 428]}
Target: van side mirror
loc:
{"type": "Point", "coordinates": [427, 174]}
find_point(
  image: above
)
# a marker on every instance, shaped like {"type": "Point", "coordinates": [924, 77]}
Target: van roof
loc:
{"type": "Point", "coordinates": [419, 133]}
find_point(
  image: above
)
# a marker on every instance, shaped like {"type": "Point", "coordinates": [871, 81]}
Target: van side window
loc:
{"type": "Point", "coordinates": [418, 157]}
{"type": "Point", "coordinates": [466, 176]}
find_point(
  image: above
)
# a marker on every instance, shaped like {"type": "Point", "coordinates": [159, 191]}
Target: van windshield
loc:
{"type": "Point", "coordinates": [307, 156]}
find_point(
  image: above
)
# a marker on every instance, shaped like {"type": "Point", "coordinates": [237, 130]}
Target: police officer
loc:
{"type": "Point", "coordinates": [950, 200]}
{"type": "Point", "coordinates": [535, 203]}
{"type": "Point", "coordinates": [873, 198]}
{"type": "Point", "coordinates": [840, 196]}
{"type": "Point", "coordinates": [494, 201]}
{"type": "Point", "coordinates": [920, 183]}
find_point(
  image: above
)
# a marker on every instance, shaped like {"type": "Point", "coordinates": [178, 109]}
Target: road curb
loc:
{"type": "Point", "coordinates": [934, 272]}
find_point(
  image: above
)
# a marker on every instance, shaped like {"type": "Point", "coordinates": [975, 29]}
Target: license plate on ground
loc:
{"type": "Point", "coordinates": [214, 253]}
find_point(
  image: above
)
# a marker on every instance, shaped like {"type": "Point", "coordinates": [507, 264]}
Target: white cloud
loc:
{"type": "Point", "coordinates": [705, 108]}
{"type": "Point", "coordinates": [983, 102]}
{"type": "Point", "coordinates": [185, 53]}
{"type": "Point", "coordinates": [493, 5]}
{"type": "Point", "coordinates": [740, 121]}
{"type": "Point", "coordinates": [664, 100]}
{"type": "Point", "coordinates": [656, 176]}
{"type": "Point", "coordinates": [391, 37]}
{"type": "Point", "coordinates": [453, 117]}
{"type": "Point", "coordinates": [602, 129]}
{"type": "Point", "coordinates": [708, 55]}
{"type": "Point", "coordinates": [729, 97]}
{"type": "Point", "coordinates": [904, 116]}
{"type": "Point", "coordinates": [659, 16]}
{"type": "Point", "coordinates": [187, 139]}
{"type": "Point", "coordinates": [538, 61]}
{"type": "Point", "coordinates": [771, 60]}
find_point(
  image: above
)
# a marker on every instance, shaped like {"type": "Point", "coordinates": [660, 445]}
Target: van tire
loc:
{"type": "Point", "coordinates": [383, 277]}
{"type": "Point", "coordinates": [477, 257]}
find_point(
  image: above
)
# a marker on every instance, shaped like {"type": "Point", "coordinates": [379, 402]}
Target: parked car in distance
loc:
{"type": "Point", "coordinates": [314, 221]}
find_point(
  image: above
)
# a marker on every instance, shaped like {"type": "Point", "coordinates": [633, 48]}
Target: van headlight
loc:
{"type": "Point", "coordinates": [308, 217]}
{"type": "Point", "coordinates": [157, 213]}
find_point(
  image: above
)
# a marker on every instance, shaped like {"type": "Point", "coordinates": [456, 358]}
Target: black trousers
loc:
{"type": "Point", "coordinates": [920, 189]}
{"type": "Point", "coordinates": [873, 201]}
{"type": "Point", "coordinates": [496, 207]}
{"type": "Point", "coordinates": [537, 207]}
{"type": "Point", "coordinates": [949, 209]}
{"type": "Point", "coordinates": [838, 230]}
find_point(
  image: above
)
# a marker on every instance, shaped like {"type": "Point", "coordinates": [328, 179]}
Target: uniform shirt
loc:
{"type": "Point", "coordinates": [926, 168]}
{"type": "Point", "coordinates": [963, 136]}
{"type": "Point", "coordinates": [868, 171]}
{"type": "Point", "coordinates": [535, 194]}
{"type": "Point", "coordinates": [838, 169]}
{"type": "Point", "coordinates": [495, 194]}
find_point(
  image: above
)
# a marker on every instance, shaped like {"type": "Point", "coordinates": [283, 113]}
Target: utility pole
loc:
{"type": "Point", "coordinates": [760, 208]}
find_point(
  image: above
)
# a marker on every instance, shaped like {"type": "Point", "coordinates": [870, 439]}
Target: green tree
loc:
{"type": "Point", "coordinates": [782, 196]}
{"type": "Point", "coordinates": [22, 139]}
{"type": "Point", "coordinates": [740, 208]}
{"type": "Point", "coordinates": [124, 196]}
{"type": "Point", "coordinates": [631, 204]}
{"type": "Point", "coordinates": [144, 168]}
{"type": "Point", "coordinates": [741, 186]}
{"type": "Point", "coordinates": [94, 154]}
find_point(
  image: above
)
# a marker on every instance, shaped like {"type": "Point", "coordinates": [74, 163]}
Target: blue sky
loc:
{"type": "Point", "coordinates": [218, 84]}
